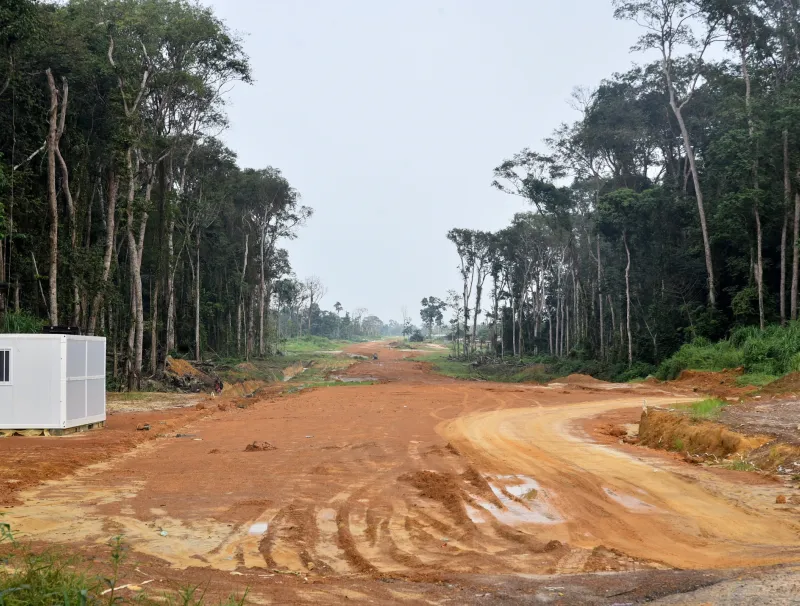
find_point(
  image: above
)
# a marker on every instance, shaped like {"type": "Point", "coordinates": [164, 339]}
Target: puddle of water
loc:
{"type": "Point", "coordinates": [523, 486]}
{"type": "Point", "coordinates": [258, 529]}
{"type": "Point", "coordinates": [354, 379]}
{"type": "Point", "coordinates": [629, 502]}
{"type": "Point", "coordinates": [533, 511]}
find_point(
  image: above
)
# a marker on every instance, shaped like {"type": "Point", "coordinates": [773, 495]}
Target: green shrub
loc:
{"type": "Point", "coordinates": [22, 322]}
{"type": "Point", "coordinates": [701, 355]}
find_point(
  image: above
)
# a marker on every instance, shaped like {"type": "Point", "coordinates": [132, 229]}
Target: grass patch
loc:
{"type": "Point", "coordinates": [44, 580]}
{"type": "Point", "coordinates": [312, 384]}
{"type": "Point", "coordinates": [54, 578]}
{"type": "Point", "coordinates": [740, 464]}
{"type": "Point", "coordinates": [311, 344]}
{"type": "Point", "coordinates": [509, 372]}
{"type": "Point", "coordinates": [130, 396]}
{"type": "Point", "coordinates": [706, 410]}
{"type": "Point", "coordinates": [756, 379]}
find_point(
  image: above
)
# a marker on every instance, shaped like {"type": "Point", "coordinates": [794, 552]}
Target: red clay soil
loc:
{"type": "Point", "coordinates": [787, 385]}
{"type": "Point", "coordinates": [579, 379]}
{"type": "Point", "coordinates": [418, 489]}
{"type": "Point", "coordinates": [27, 461]}
{"type": "Point", "coordinates": [720, 384]}
{"type": "Point", "coordinates": [610, 428]}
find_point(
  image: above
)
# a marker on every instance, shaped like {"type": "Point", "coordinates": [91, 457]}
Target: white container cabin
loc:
{"type": "Point", "coordinates": [52, 381]}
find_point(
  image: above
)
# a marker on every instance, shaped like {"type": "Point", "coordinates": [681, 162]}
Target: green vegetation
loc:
{"type": "Point", "coordinates": [533, 369]}
{"type": "Point", "coordinates": [657, 216]}
{"type": "Point", "coordinates": [55, 578]}
{"type": "Point", "coordinates": [313, 343]}
{"type": "Point", "coordinates": [21, 322]}
{"type": "Point", "coordinates": [755, 379]}
{"type": "Point", "coordinates": [740, 464]}
{"type": "Point", "coordinates": [706, 410]}
{"type": "Point", "coordinates": [772, 352]}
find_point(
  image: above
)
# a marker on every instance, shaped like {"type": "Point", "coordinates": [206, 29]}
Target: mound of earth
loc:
{"type": "Point", "coordinates": [259, 447]}
{"type": "Point", "coordinates": [185, 376]}
{"type": "Point", "coordinates": [786, 384]}
{"type": "Point", "coordinates": [721, 384]}
{"type": "Point", "coordinates": [579, 379]}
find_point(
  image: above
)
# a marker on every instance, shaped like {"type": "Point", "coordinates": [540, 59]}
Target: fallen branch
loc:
{"type": "Point", "coordinates": [31, 157]}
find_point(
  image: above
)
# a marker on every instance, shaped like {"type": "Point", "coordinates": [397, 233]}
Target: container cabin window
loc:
{"type": "Point", "coordinates": [5, 366]}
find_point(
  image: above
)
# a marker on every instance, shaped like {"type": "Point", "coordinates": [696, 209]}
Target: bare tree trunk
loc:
{"type": "Point", "coordinates": [197, 299]}
{"type": "Point", "coordinates": [310, 308]}
{"type": "Point", "coordinates": [154, 329]}
{"type": "Point", "coordinates": [52, 142]}
{"type": "Point", "coordinates": [787, 193]}
{"type": "Point", "coordinates": [558, 324]}
{"type": "Point", "coordinates": [613, 319]}
{"type": "Point", "coordinates": [170, 342]}
{"type": "Point", "coordinates": [712, 296]}
{"type": "Point", "coordinates": [261, 305]}
{"type": "Point", "coordinates": [759, 269]}
{"type": "Point", "coordinates": [135, 253]}
{"type": "Point", "coordinates": [521, 313]}
{"type": "Point", "coordinates": [513, 325]}
{"type": "Point", "coordinates": [111, 234]}
{"type": "Point", "coordinates": [478, 292]}
{"type": "Point", "coordinates": [112, 331]}
{"type": "Point", "coordinates": [65, 187]}
{"type": "Point", "coordinates": [134, 347]}
{"type": "Point", "coordinates": [239, 326]}
{"type": "Point", "coordinates": [496, 306]}
{"type": "Point", "coordinates": [240, 310]}
{"type": "Point", "coordinates": [795, 252]}
{"type": "Point", "coordinates": [466, 320]}
{"type": "Point", "coordinates": [628, 298]}
{"type": "Point", "coordinates": [251, 328]}
{"type": "Point", "coordinates": [600, 297]}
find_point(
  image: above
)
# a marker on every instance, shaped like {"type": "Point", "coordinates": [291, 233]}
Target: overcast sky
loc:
{"type": "Point", "coordinates": [389, 115]}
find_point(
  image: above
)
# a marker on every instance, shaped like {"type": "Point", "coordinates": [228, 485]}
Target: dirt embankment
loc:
{"type": "Point", "coordinates": [751, 436]}
{"type": "Point", "coordinates": [759, 429]}
{"type": "Point", "coordinates": [672, 430]}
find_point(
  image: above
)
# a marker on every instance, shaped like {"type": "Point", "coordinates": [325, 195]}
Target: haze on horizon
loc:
{"type": "Point", "coordinates": [389, 118]}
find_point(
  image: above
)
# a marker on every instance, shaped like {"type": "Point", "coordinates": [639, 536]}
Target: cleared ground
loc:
{"type": "Point", "coordinates": [419, 489]}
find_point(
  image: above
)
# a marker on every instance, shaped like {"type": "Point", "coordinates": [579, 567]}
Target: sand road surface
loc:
{"type": "Point", "coordinates": [417, 477]}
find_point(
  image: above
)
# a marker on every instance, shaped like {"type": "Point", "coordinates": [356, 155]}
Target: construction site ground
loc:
{"type": "Point", "coordinates": [415, 489]}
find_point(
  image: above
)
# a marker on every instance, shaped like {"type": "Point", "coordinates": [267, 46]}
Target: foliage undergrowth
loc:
{"type": "Point", "coordinates": [535, 369]}
{"type": "Point", "coordinates": [21, 322]}
{"type": "Point", "coordinates": [772, 352]}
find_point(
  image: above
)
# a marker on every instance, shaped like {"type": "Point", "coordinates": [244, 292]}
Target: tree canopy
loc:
{"type": "Point", "coordinates": [670, 209]}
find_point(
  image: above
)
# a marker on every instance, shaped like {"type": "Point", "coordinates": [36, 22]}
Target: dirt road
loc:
{"type": "Point", "coordinates": [417, 479]}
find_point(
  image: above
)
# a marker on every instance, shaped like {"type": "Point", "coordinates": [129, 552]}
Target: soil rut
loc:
{"type": "Point", "coordinates": [415, 476]}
